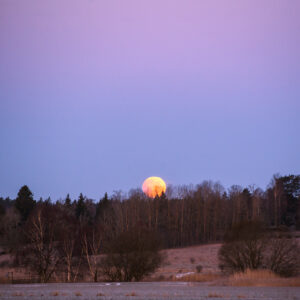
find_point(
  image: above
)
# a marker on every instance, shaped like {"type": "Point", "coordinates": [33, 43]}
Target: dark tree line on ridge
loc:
{"type": "Point", "coordinates": [66, 236]}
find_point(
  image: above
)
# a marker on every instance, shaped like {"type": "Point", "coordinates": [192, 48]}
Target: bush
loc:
{"type": "Point", "coordinates": [132, 255]}
{"type": "Point", "coordinates": [243, 248]}
{"type": "Point", "coordinates": [248, 246]}
{"type": "Point", "coordinates": [199, 268]}
{"type": "Point", "coordinates": [283, 256]}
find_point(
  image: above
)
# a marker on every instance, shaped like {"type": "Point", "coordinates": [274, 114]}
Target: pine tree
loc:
{"type": "Point", "coordinates": [80, 206]}
{"type": "Point", "coordinates": [24, 202]}
{"type": "Point", "coordinates": [102, 205]}
{"type": "Point", "coordinates": [68, 201]}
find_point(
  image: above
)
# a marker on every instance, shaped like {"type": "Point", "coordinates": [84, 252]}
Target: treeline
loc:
{"type": "Point", "coordinates": [185, 216]}
{"type": "Point", "coordinates": [66, 237]}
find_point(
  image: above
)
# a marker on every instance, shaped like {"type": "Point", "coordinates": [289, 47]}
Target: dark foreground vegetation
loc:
{"type": "Point", "coordinates": [118, 238]}
{"type": "Point", "coordinates": [249, 246]}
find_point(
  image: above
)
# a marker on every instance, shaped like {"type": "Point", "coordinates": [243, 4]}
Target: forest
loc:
{"type": "Point", "coordinates": [68, 234]}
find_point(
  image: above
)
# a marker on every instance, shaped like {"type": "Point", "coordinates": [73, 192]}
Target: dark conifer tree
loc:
{"type": "Point", "coordinates": [68, 201]}
{"type": "Point", "coordinates": [24, 202]}
{"type": "Point", "coordinates": [101, 206]}
{"type": "Point", "coordinates": [80, 206]}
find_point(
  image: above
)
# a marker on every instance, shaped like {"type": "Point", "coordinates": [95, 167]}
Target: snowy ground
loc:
{"type": "Point", "coordinates": [144, 290]}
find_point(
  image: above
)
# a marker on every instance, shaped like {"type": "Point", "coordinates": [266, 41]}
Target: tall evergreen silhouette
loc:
{"type": "Point", "coordinates": [24, 202]}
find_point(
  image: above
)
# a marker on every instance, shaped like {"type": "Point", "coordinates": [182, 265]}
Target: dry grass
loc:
{"type": "Point", "coordinates": [184, 260]}
{"type": "Point", "coordinates": [214, 295]}
{"type": "Point", "coordinates": [133, 294]}
{"type": "Point", "coordinates": [254, 274]}
{"type": "Point", "coordinates": [54, 293]}
{"type": "Point", "coordinates": [196, 277]}
{"type": "Point", "coordinates": [261, 278]}
{"type": "Point", "coordinates": [18, 294]}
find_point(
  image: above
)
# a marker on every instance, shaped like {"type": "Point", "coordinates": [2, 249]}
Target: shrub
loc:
{"type": "Point", "coordinates": [248, 246]}
{"type": "Point", "coordinates": [243, 248]}
{"type": "Point", "coordinates": [132, 255]}
{"type": "Point", "coordinates": [192, 260]}
{"type": "Point", "coordinates": [199, 268]}
{"type": "Point", "coordinates": [283, 257]}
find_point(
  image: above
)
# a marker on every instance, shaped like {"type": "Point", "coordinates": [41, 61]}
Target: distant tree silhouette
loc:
{"type": "Point", "coordinates": [291, 187]}
{"type": "Point", "coordinates": [2, 215]}
{"type": "Point", "coordinates": [68, 201]}
{"type": "Point", "coordinates": [2, 210]}
{"type": "Point", "coordinates": [101, 206]}
{"type": "Point", "coordinates": [284, 197]}
{"type": "Point", "coordinates": [24, 202]}
{"type": "Point", "coordinates": [80, 207]}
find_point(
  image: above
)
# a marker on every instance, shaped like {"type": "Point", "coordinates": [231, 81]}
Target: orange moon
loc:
{"type": "Point", "coordinates": [154, 186]}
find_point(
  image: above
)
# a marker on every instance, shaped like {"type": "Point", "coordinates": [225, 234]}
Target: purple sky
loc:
{"type": "Point", "coordinates": [96, 96]}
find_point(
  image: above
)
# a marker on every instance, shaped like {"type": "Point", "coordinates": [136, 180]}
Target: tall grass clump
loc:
{"type": "Point", "coordinates": [261, 277]}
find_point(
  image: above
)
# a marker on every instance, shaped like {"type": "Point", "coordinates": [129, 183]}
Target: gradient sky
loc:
{"type": "Point", "coordinates": [96, 96]}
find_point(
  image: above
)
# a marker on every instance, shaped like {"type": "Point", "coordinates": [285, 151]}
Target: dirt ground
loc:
{"type": "Point", "coordinates": [144, 290]}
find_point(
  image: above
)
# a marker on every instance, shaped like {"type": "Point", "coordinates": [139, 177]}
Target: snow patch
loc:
{"type": "Point", "coordinates": [180, 275]}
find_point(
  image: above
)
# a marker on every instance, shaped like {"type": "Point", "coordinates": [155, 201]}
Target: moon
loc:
{"type": "Point", "coordinates": [154, 186]}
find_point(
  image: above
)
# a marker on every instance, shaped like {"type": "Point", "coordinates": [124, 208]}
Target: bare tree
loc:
{"type": "Point", "coordinates": [69, 248]}
{"type": "Point", "coordinates": [41, 254]}
{"type": "Point", "coordinates": [282, 256]}
{"type": "Point", "coordinates": [91, 240]}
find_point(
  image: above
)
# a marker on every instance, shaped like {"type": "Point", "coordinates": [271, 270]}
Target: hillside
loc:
{"type": "Point", "coordinates": [184, 260]}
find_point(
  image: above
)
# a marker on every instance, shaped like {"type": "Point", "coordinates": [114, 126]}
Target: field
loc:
{"type": "Point", "coordinates": [176, 279]}
{"type": "Point", "coordinates": [178, 262]}
{"type": "Point", "coordinates": [184, 261]}
{"type": "Point", "coordinates": [143, 290]}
